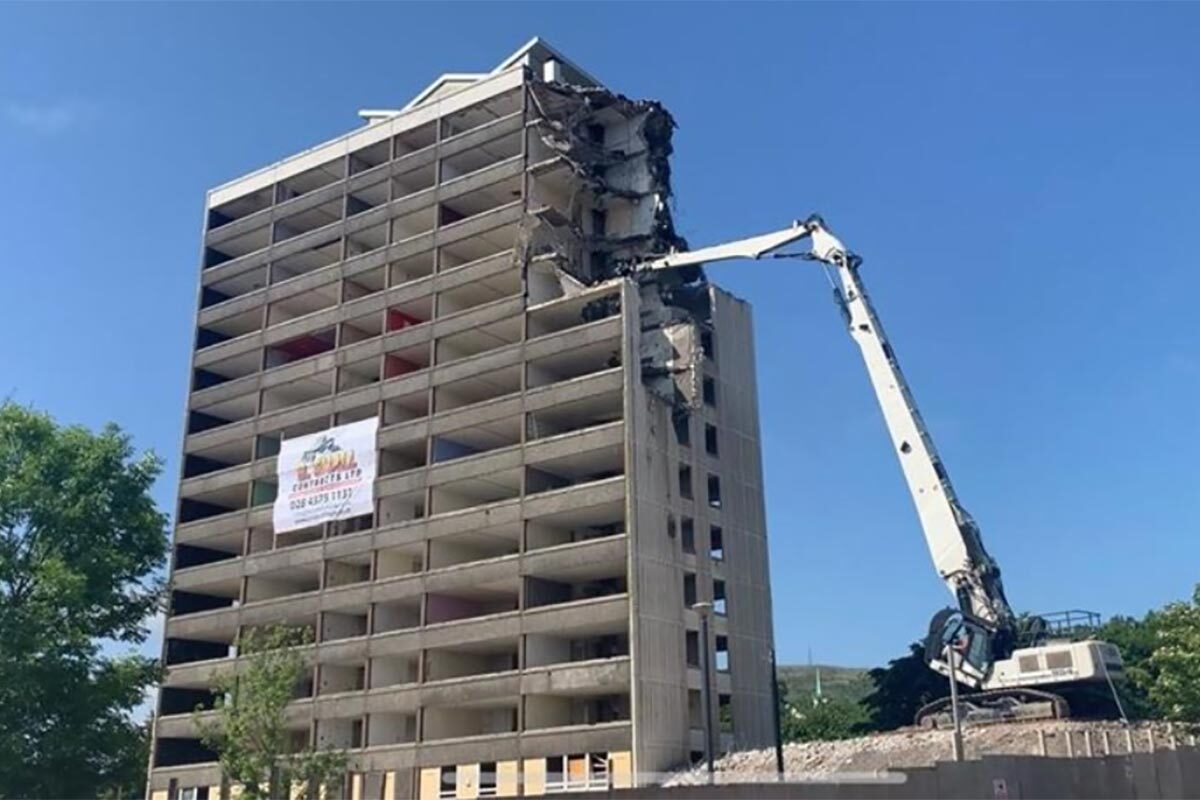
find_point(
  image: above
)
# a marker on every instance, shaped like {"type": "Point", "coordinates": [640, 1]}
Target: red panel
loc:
{"type": "Point", "coordinates": [394, 365]}
{"type": "Point", "coordinates": [398, 320]}
{"type": "Point", "coordinates": [304, 346]}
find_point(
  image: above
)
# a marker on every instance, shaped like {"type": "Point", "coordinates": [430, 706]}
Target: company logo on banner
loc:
{"type": "Point", "coordinates": [326, 476]}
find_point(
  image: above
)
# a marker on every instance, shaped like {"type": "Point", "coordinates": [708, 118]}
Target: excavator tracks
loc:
{"type": "Point", "coordinates": [995, 706]}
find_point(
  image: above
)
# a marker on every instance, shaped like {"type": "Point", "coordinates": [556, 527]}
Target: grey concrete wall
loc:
{"type": "Point", "coordinates": [659, 696]}
{"type": "Point", "coordinates": [658, 561]}
{"type": "Point", "coordinates": [742, 518]}
{"type": "Point", "coordinates": [1161, 775]}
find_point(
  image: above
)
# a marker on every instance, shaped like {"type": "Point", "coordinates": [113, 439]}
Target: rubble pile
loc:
{"type": "Point", "coordinates": [916, 747]}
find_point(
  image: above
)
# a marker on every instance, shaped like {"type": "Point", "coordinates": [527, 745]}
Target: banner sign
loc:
{"type": "Point", "coordinates": [326, 476]}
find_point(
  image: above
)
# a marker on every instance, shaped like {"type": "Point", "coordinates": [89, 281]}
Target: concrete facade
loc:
{"type": "Point", "coordinates": [569, 456]}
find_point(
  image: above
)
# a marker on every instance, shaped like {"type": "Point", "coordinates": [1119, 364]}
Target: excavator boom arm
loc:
{"type": "Point", "coordinates": [950, 532]}
{"type": "Point", "coordinates": [952, 536]}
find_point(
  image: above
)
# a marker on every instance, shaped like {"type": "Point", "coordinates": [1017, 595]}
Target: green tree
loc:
{"type": "Point", "coordinates": [807, 719]}
{"type": "Point", "coordinates": [825, 719]}
{"type": "Point", "coordinates": [1137, 640]}
{"type": "Point", "coordinates": [901, 689]}
{"type": "Point", "coordinates": [250, 732]}
{"type": "Point", "coordinates": [81, 544]}
{"type": "Point", "coordinates": [1176, 687]}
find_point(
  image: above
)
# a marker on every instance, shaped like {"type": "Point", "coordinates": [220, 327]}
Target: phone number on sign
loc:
{"type": "Point", "coordinates": [320, 499]}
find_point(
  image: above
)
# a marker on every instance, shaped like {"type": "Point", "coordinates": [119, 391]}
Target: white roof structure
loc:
{"type": "Point", "coordinates": [533, 53]}
{"type": "Point", "coordinates": [450, 91]}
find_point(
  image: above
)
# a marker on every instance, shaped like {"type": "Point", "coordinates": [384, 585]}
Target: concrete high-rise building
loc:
{"type": "Point", "coordinates": [568, 456]}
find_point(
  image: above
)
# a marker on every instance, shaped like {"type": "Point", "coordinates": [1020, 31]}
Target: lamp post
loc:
{"type": "Point", "coordinates": [778, 725]}
{"type": "Point", "coordinates": [705, 611]}
{"type": "Point", "coordinates": [957, 741]}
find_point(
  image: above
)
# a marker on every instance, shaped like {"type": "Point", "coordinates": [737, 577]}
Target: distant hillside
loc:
{"type": "Point", "coordinates": [850, 683]}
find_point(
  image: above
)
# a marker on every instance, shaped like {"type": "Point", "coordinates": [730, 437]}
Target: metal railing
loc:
{"type": "Point", "coordinates": [1072, 624]}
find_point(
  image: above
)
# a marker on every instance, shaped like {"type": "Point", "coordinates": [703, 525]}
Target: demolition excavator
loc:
{"type": "Point", "coordinates": [1019, 667]}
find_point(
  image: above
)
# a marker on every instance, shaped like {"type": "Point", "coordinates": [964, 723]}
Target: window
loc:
{"type": "Point", "coordinates": [714, 491]}
{"type": "Point", "coordinates": [725, 712]}
{"type": "Point", "coordinates": [267, 445]}
{"type": "Point", "coordinates": [683, 434]}
{"type": "Point", "coordinates": [687, 539]}
{"type": "Point", "coordinates": [719, 604]}
{"type": "Point", "coordinates": [716, 543]}
{"type": "Point", "coordinates": [670, 526]}
{"type": "Point", "coordinates": [692, 648]}
{"type": "Point", "coordinates": [706, 344]}
{"type": "Point", "coordinates": [689, 589]}
{"type": "Point", "coordinates": [556, 772]}
{"type": "Point", "coordinates": [263, 492]}
{"type": "Point", "coordinates": [449, 782]}
{"type": "Point", "coordinates": [599, 222]}
{"type": "Point", "coordinates": [685, 482]}
{"type": "Point", "coordinates": [709, 387]}
{"type": "Point", "coordinates": [572, 772]}
{"type": "Point", "coordinates": [722, 656]}
{"type": "Point", "coordinates": [710, 439]}
{"type": "Point", "coordinates": [488, 786]}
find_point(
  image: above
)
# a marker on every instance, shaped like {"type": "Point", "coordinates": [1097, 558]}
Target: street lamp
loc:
{"type": "Point", "coordinates": [775, 716]}
{"type": "Point", "coordinates": [705, 611]}
{"type": "Point", "coordinates": [957, 741]}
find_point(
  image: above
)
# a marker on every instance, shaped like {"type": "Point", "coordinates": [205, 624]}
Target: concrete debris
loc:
{"type": "Point", "coordinates": [671, 363]}
{"type": "Point", "coordinates": [616, 217]}
{"type": "Point", "coordinates": [631, 161]}
{"type": "Point", "coordinates": [917, 748]}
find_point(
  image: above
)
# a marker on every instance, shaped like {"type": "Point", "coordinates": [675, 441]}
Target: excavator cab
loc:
{"type": "Point", "coordinates": [953, 634]}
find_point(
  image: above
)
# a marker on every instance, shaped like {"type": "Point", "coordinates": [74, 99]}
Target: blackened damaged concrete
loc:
{"type": "Point", "coordinates": [620, 150]}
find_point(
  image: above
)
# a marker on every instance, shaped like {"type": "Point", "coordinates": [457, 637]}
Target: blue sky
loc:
{"type": "Point", "coordinates": [1023, 181]}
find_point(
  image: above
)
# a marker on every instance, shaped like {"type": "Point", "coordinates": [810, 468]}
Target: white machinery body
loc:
{"type": "Point", "coordinates": [981, 635]}
{"type": "Point", "coordinates": [1053, 663]}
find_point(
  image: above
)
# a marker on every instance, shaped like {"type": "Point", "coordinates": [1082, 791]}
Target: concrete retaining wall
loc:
{"type": "Point", "coordinates": [1161, 774]}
